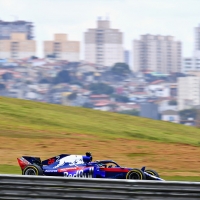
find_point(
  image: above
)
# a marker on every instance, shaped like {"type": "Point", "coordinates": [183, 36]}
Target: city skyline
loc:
{"type": "Point", "coordinates": [131, 17]}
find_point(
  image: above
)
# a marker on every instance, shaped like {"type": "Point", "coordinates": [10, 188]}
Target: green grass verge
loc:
{"type": "Point", "coordinates": [181, 178]}
{"type": "Point", "coordinates": [28, 119]}
{"type": "Point", "coordinates": [11, 169]}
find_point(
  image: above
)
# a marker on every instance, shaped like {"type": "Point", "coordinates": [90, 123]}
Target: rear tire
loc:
{"type": "Point", "coordinates": [152, 172]}
{"type": "Point", "coordinates": [33, 170]}
{"type": "Point", "coordinates": [136, 174]}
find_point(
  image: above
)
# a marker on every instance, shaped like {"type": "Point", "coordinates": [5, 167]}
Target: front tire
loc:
{"type": "Point", "coordinates": [33, 170]}
{"type": "Point", "coordinates": [136, 174]}
{"type": "Point", "coordinates": [152, 172]}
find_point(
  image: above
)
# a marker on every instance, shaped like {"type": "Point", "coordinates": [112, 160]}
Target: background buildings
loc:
{"type": "Point", "coordinates": [104, 45]}
{"type": "Point", "coordinates": [16, 40]}
{"type": "Point", "coordinates": [157, 53]}
{"type": "Point", "coordinates": [17, 47]}
{"type": "Point", "coordinates": [197, 41]}
{"type": "Point", "coordinates": [7, 28]}
{"type": "Point", "coordinates": [153, 88]}
{"type": "Point", "coordinates": [62, 49]}
{"type": "Point", "coordinates": [193, 63]}
{"type": "Point", "coordinates": [188, 92]}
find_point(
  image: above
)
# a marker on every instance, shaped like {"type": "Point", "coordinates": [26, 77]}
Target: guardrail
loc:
{"type": "Point", "coordinates": [45, 187]}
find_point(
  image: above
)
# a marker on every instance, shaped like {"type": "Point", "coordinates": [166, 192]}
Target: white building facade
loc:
{"type": "Point", "coordinates": [171, 116]}
{"type": "Point", "coordinates": [104, 45]}
{"type": "Point", "coordinates": [191, 64]}
{"type": "Point", "coordinates": [158, 90]}
{"type": "Point", "coordinates": [188, 92]}
{"type": "Point", "coordinates": [197, 41]}
{"type": "Point", "coordinates": [157, 53]}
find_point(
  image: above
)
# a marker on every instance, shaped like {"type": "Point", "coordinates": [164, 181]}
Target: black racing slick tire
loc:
{"type": "Point", "coordinates": [33, 170]}
{"type": "Point", "coordinates": [152, 172]}
{"type": "Point", "coordinates": [136, 174]}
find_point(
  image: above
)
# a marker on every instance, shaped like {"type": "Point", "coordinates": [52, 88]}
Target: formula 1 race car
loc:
{"type": "Point", "coordinates": [81, 166]}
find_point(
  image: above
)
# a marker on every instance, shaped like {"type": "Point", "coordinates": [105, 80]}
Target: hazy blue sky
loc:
{"type": "Point", "coordinates": [133, 17]}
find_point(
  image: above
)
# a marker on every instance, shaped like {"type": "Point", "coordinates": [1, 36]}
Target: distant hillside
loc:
{"type": "Point", "coordinates": [21, 118]}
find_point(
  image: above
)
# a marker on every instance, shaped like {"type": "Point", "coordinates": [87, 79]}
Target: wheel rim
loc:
{"type": "Point", "coordinates": [135, 175]}
{"type": "Point", "coordinates": [30, 172]}
{"type": "Point", "coordinates": [149, 172]}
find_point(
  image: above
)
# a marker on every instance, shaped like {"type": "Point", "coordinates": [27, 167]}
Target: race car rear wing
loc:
{"type": "Point", "coordinates": [28, 160]}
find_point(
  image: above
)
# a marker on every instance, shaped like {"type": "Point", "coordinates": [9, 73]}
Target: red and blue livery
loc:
{"type": "Point", "coordinates": [82, 166]}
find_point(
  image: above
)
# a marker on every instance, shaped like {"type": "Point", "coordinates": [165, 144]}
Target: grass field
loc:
{"type": "Point", "coordinates": [31, 128]}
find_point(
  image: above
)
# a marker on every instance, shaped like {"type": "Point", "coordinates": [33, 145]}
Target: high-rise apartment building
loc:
{"type": "Point", "coordinates": [157, 53]}
{"type": "Point", "coordinates": [197, 41]}
{"type": "Point", "coordinates": [17, 47]}
{"type": "Point", "coordinates": [62, 48]}
{"type": "Point", "coordinates": [191, 64]}
{"type": "Point", "coordinates": [188, 92]}
{"type": "Point", "coordinates": [7, 28]}
{"type": "Point", "coordinates": [104, 45]}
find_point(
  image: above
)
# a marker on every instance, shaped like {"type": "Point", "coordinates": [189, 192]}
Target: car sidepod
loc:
{"type": "Point", "coordinates": [112, 173]}
{"type": "Point", "coordinates": [77, 172]}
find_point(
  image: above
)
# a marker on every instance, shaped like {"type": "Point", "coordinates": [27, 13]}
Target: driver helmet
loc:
{"type": "Point", "coordinates": [89, 154]}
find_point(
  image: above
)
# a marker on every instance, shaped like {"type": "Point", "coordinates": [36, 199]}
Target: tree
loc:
{"type": "Point", "coordinates": [130, 112]}
{"type": "Point", "coordinates": [101, 88]}
{"type": "Point", "coordinates": [28, 82]}
{"type": "Point", "coordinates": [88, 105]}
{"type": "Point", "coordinates": [75, 82]}
{"type": "Point", "coordinates": [2, 86]}
{"type": "Point", "coordinates": [44, 81]}
{"type": "Point", "coordinates": [173, 103]}
{"type": "Point", "coordinates": [120, 98]}
{"type": "Point", "coordinates": [62, 77]}
{"type": "Point", "coordinates": [188, 113]}
{"type": "Point", "coordinates": [120, 69]}
{"type": "Point", "coordinates": [34, 57]}
{"type": "Point", "coordinates": [72, 96]}
{"type": "Point", "coordinates": [7, 76]}
{"type": "Point", "coordinates": [113, 107]}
